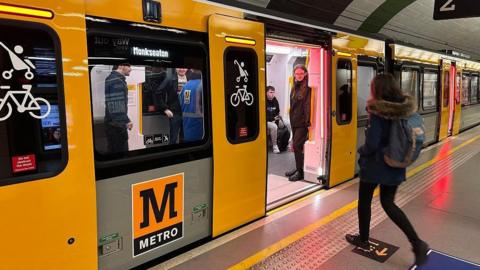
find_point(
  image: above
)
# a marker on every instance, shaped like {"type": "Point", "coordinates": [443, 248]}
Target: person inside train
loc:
{"type": "Point", "coordinates": [299, 119]}
{"type": "Point", "coordinates": [162, 84]}
{"type": "Point", "coordinates": [273, 117]}
{"type": "Point", "coordinates": [386, 103]}
{"type": "Point", "coordinates": [116, 109]}
{"type": "Point", "coordinates": [191, 99]}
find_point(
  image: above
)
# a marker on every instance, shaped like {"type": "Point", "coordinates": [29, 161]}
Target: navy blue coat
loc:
{"type": "Point", "coordinates": [373, 168]}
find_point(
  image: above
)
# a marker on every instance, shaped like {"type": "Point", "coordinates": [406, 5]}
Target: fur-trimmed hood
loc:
{"type": "Point", "coordinates": [392, 110]}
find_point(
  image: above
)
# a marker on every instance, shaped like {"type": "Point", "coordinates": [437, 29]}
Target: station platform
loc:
{"type": "Point", "coordinates": [440, 197]}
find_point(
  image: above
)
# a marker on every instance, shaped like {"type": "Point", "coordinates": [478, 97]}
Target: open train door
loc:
{"type": "Point", "coordinates": [238, 121]}
{"type": "Point", "coordinates": [457, 119]}
{"type": "Point", "coordinates": [344, 118]}
{"type": "Point", "coordinates": [445, 122]}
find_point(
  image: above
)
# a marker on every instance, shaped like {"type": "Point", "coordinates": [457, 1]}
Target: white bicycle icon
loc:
{"type": "Point", "coordinates": [241, 95]}
{"type": "Point", "coordinates": [18, 63]}
{"type": "Point", "coordinates": [34, 104]}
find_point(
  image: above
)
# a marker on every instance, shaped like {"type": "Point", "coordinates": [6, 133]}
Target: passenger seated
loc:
{"type": "Point", "coordinates": [273, 117]}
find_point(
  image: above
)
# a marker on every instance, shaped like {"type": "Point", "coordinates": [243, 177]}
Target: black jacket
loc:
{"type": "Point", "coordinates": [116, 100]}
{"type": "Point", "coordinates": [300, 108]}
{"type": "Point", "coordinates": [373, 168]}
{"type": "Point", "coordinates": [273, 109]}
{"type": "Point", "coordinates": [163, 87]}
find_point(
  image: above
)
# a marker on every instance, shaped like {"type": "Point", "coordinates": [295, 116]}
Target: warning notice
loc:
{"type": "Point", "coordinates": [157, 217]}
{"type": "Point", "coordinates": [23, 163]}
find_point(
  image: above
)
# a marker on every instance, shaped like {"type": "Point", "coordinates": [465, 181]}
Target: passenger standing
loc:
{"type": "Point", "coordinates": [299, 119]}
{"type": "Point", "coordinates": [191, 99]}
{"type": "Point", "coordinates": [116, 109]}
{"type": "Point", "coordinates": [387, 102]}
{"type": "Point", "coordinates": [166, 99]}
{"type": "Point", "coordinates": [273, 116]}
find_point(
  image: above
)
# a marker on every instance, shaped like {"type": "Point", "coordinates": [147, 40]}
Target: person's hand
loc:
{"type": "Point", "coordinates": [151, 108]}
{"type": "Point", "coordinates": [130, 126]}
{"type": "Point", "coordinates": [168, 113]}
{"type": "Point", "coordinates": [277, 118]}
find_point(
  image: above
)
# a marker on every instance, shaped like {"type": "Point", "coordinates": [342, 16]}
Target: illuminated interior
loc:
{"type": "Point", "coordinates": [282, 57]}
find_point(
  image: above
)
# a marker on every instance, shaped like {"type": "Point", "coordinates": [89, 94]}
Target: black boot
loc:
{"type": "Point", "coordinates": [355, 240]}
{"type": "Point", "coordinates": [420, 249]}
{"type": "Point", "coordinates": [296, 177]}
{"type": "Point", "coordinates": [290, 173]}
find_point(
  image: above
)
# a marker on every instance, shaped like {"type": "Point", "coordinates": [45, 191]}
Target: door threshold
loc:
{"type": "Point", "coordinates": [294, 196]}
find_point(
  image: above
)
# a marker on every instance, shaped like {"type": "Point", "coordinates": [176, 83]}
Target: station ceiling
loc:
{"type": "Point", "coordinates": [410, 21]}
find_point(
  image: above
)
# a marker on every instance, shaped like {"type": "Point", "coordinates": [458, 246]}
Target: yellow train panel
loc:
{"type": "Point", "coordinates": [239, 184]}
{"type": "Point", "coordinates": [344, 135]}
{"type": "Point", "coordinates": [185, 14]}
{"type": "Point", "coordinates": [40, 217]}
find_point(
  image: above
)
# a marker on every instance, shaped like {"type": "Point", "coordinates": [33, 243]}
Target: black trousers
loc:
{"type": "Point", "coordinates": [387, 199]}
{"type": "Point", "coordinates": [300, 136]}
{"type": "Point", "coordinates": [117, 139]}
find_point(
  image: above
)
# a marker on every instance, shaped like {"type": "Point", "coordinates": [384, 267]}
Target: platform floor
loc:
{"type": "Point", "coordinates": [441, 198]}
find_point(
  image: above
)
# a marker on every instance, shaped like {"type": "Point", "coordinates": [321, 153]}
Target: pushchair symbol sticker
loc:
{"type": "Point", "coordinates": [17, 63]}
{"type": "Point", "coordinates": [241, 95]}
{"type": "Point", "coordinates": [21, 98]}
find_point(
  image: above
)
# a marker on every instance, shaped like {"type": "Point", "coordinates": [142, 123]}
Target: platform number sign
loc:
{"type": "Point", "coordinates": [453, 9]}
{"type": "Point", "coordinates": [157, 213]}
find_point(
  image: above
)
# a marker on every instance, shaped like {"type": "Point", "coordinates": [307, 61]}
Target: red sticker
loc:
{"type": "Point", "coordinates": [23, 163]}
{"type": "Point", "coordinates": [243, 132]}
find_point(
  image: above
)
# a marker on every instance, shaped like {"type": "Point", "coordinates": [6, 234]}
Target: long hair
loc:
{"type": "Point", "coordinates": [301, 86]}
{"type": "Point", "coordinates": [386, 87]}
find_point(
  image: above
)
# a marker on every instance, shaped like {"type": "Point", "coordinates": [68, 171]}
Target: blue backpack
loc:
{"type": "Point", "coordinates": [405, 142]}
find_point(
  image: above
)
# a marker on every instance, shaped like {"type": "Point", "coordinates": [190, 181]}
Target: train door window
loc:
{"type": "Point", "coordinates": [458, 88]}
{"type": "Point", "coordinates": [344, 91]}
{"type": "Point", "coordinates": [147, 95]}
{"type": "Point", "coordinates": [32, 115]}
{"type": "Point", "coordinates": [429, 99]}
{"type": "Point", "coordinates": [410, 82]}
{"type": "Point", "coordinates": [465, 89]}
{"type": "Point", "coordinates": [446, 88]}
{"type": "Point", "coordinates": [474, 90]}
{"type": "Point", "coordinates": [241, 94]}
{"type": "Point", "coordinates": [365, 77]}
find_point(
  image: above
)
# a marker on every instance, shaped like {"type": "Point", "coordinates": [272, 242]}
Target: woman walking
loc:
{"type": "Point", "coordinates": [299, 118]}
{"type": "Point", "coordinates": [387, 103]}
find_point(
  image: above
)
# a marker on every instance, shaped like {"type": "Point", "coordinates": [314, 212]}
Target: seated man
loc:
{"type": "Point", "coordinates": [273, 112]}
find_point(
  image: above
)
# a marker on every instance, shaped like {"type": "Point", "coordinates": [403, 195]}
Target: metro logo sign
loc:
{"type": "Point", "coordinates": [157, 217]}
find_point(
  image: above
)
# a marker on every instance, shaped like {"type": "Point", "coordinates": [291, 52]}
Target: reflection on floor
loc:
{"type": "Point", "coordinates": [279, 187]}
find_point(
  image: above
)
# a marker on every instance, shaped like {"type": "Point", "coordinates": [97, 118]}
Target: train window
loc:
{"type": "Point", "coordinates": [364, 79]}
{"type": "Point", "coordinates": [344, 91]}
{"type": "Point", "coordinates": [32, 115]}
{"type": "Point", "coordinates": [446, 88]}
{"type": "Point", "coordinates": [429, 100]}
{"type": "Point", "coordinates": [474, 90]}
{"type": "Point", "coordinates": [465, 89]}
{"type": "Point", "coordinates": [458, 85]}
{"type": "Point", "coordinates": [410, 82]}
{"type": "Point", "coordinates": [147, 96]}
{"type": "Point", "coordinates": [241, 94]}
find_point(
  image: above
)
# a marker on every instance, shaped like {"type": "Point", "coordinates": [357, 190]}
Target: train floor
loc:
{"type": "Point", "coordinates": [441, 198]}
{"type": "Point", "coordinates": [279, 189]}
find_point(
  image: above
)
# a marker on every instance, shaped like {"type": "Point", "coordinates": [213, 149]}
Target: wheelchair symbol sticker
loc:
{"type": "Point", "coordinates": [14, 97]}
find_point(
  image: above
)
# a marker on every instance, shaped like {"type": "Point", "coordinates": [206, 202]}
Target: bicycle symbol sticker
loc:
{"type": "Point", "coordinates": [28, 102]}
{"type": "Point", "coordinates": [241, 95]}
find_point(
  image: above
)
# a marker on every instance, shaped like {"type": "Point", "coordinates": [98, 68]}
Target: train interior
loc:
{"type": "Point", "coordinates": [282, 57]}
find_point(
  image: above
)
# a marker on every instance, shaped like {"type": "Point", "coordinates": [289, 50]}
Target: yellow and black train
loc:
{"type": "Point", "coordinates": [95, 177]}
